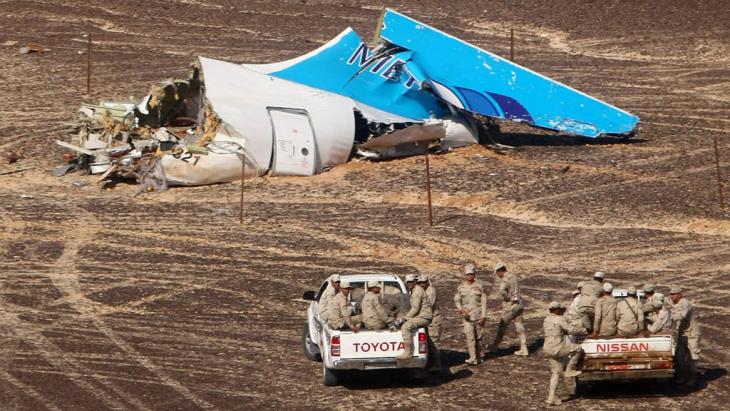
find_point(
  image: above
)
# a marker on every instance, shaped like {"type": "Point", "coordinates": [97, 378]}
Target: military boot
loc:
{"type": "Point", "coordinates": [494, 346]}
{"type": "Point", "coordinates": [570, 370]}
{"type": "Point", "coordinates": [523, 346]}
{"type": "Point", "coordinates": [407, 353]}
{"type": "Point", "coordinates": [473, 355]}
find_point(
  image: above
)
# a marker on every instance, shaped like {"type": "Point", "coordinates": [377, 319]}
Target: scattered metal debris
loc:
{"type": "Point", "coordinates": [33, 48]}
{"type": "Point", "coordinates": [419, 89]}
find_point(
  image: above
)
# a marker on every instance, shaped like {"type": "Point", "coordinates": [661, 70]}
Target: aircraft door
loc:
{"type": "Point", "coordinates": [294, 143]}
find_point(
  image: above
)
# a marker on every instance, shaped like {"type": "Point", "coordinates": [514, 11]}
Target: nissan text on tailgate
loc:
{"type": "Point", "coordinates": [341, 350]}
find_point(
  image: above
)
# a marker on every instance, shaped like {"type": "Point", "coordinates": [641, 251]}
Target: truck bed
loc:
{"type": "Point", "coordinates": [628, 358]}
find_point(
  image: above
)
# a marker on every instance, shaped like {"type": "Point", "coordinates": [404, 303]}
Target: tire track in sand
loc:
{"type": "Point", "coordinates": [68, 284]}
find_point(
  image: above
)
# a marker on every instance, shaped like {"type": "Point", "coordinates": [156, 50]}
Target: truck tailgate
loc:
{"type": "Point", "coordinates": [371, 344]}
{"type": "Point", "coordinates": [622, 347]}
{"type": "Point", "coordinates": [628, 358]}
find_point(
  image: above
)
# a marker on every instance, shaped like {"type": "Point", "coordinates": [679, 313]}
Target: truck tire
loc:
{"type": "Point", "coordinates": [330, 377]}
{"type": "Point", "coordinates": [418, 374]}
{"type": "Point", "coordinates": [310, 348]}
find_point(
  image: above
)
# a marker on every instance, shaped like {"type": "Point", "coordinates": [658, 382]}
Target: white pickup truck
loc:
{"type": "Point", "coordinates": [633, 358]}
{"type": "Point", "coordinates": [341, 350]}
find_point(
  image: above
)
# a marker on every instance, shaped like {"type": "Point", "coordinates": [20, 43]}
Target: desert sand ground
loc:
{"type": "Point", "coordinates": [164, 301]}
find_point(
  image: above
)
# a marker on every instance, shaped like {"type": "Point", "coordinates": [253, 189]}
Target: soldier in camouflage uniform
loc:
{"type": "Point", "coordinates": [556, 348]}
{"type": "Point", "coordinates": [605, 322]}
{"type": "Point", "coordinates": [327, 295]}
{"type": "Point", "coordinates": [629, 314]}
{"type": "Point", "coordinates": [594, 287]}
{"type": "Point", "coordinates": [340, 311]}
{"type": "Point", "coordinates": [471, 301]}
{"type": "Point", "coordinates": [418, 316]}
{"type": "Point", "coordinates": [373, 312]}
{"type": "Point", "coordinates": [688, 336]}
{"type": "Point", "coordinates": [434, 328]}
{"type": "Point", "coordinates": [512, 308]}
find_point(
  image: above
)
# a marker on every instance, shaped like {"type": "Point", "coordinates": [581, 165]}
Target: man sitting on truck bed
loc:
{"type": "Point", "coordinates": [327, 295]}
{"type": "Point", "coordinates": [659, 319]}
{"type": "Point", "coordinates": [594, 286]}
{"type": "Point", "coordinates": [373, 312]}
{"type": "Point", "coordinates": [630, 315]}
{"type": "Point", "coordinates": [340, 311]}
{"type": "Point", "coordinates": [605, 322]}
{"type": "Point", "coordinates": [418, 316]}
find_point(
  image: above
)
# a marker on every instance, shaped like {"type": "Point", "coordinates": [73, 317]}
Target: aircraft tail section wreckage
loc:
{"type": "Point", "coordinates": [418, 88]}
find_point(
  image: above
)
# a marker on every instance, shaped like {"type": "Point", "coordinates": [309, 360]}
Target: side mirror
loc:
{"type": "Point", "coordinates": [309, 295]}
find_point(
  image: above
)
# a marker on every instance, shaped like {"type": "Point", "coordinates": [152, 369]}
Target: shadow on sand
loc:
{"type": "Point", "coordinates": [362, 380]}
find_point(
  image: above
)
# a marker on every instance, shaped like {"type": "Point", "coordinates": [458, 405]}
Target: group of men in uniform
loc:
{"type": "Point", "coordinates": [424, 311]}
{"type": "Point", "coordinates": [471, 302]}
{"type": "Point", "coordinates": [592, 313]}
{"type": "Point", "coordinates": [595, 313]}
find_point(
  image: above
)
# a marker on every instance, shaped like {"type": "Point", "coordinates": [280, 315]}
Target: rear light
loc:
{"type": "Point", "coordinates": [335, 346]}
{"type": "Point", "coordinates": [422, 343]}
{"type": "Point", "coordinates": [617, 367]}
{"type": "Point", "coordinates": [661, 364]}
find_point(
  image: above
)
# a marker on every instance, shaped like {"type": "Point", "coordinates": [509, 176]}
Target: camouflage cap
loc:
{"type": "Point", "coordinates": [345, 284]}
{"type": "Point", "coordinates": [658, 296]}
{"type": "Point", "coordinates": [575, 292]}
{"type": "Point", "coordinates": [607, 287]}
{"type": "Point", "coordinates": [500, 266]}
{"type": "Point", "coordinates": [410, 278]}
{"type": "Point", "coordinates": [373, 283]}
{"type": "Point", "coordinates": [657, 303]}
{"type": "Point", "coordinates": [631, 290]}
{"type": "Point", "coordinates": [423, 278]}
{"type": "Point", "coordinates": [469, 269]}
{"type": "Point", "coordinates": [649, 288]}
{"type": "Point", "coordinates": [598, 274]}
{"type": "Point", "coordinates": [555, 305]}
{"type": "Point", "coordinates": [334, 278]}
{"type": "Point", "coordinates": [675, 290]}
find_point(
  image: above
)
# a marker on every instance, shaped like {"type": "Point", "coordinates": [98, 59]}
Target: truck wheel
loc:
{"type": "Point", "coordinates": [330, 377]}
{"type": "Point", "coordinates": [419, 374]}
{"type": "Point", "coordinates": [311, 350]}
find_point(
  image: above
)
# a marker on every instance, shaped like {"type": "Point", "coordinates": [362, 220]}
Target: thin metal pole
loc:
{"type": "Point", "coordinates": [243, 177]}
{"type": "Point", "coordinates": [428, 188]}
{"type": "Point", "coordinates": [511, 44]}
{"type": "Point", "coordinates": [88, 66]}
{"type": "Point", "coordinates": [719, 175]}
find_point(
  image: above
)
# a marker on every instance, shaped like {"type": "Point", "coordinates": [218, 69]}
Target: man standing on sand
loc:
{"type": "Point", "coordinates": [471, 301]}
{"type": "Point", "coordinates": [418, 316]}
{"type": "Point", "coordinates": [327, 295]}
{"type": "Point", "coordinates": [556, 347]}
{"type": "Point", "coordinates": [512, 308]}
{"type": "Point", "coordinates": [605, 322]}
{"type": "Point", "coordinates": [434, 328]}
{"type": "Point", "coordinates": [373, 312]}
{"type": "Point", "coordinates": [688, 336]}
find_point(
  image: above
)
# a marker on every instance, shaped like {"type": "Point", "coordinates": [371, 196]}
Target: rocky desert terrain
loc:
{"type": "Point", "coordinates": [164, 301]}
